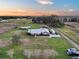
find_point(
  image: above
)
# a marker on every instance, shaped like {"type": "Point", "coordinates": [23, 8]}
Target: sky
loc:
{"type": "Point", "coordinates": [39, 7]}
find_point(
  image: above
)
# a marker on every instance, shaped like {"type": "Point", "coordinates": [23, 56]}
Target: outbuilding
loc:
{"type": "Point", "coordinates": [25, 28]}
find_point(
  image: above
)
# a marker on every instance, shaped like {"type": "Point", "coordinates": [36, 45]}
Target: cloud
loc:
{"type": "Point", "coordinates": [45, 2]}
{"type": "Point", "coordinates": [71, 10]}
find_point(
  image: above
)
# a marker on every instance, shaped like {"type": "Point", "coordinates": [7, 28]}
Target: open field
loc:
{"type": "Point", "coordinates": [37, 46]}
{"type": "Point", "coordinates": [74, 26]}
{"type": "Point", "coordinates": [4, 27]}
{"type": "Point", "coordinates": [72, 32]}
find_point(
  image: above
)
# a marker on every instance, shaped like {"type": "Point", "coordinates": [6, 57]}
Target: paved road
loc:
{"type": "Point", "coordinates": [69, 40]}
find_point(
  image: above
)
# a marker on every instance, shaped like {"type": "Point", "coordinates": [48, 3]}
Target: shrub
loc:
{"type": "Point", "coordinates": [15, 39]}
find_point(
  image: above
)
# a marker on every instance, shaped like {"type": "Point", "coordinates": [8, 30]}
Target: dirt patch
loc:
{"type": "Point", "coordinates": [25, 42]}
{"type": "Point", "coordinates": [7, 26]}
{"type": "Point", "coordinates": [4, 43]}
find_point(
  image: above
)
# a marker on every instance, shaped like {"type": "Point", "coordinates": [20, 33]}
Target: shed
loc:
{"type": "Point", "coordinates": [25, 28]}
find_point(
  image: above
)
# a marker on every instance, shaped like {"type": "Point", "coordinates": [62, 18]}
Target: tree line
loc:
{"type": "Point", "coordinates": [51, 21]}
{"type": "Point", "coordinates": [13, 17]}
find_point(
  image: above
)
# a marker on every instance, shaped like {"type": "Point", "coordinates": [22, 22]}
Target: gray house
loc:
{"type": "Point", "coordinates": [40, 31]}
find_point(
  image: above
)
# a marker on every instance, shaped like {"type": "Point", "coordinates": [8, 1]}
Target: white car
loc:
{"type": "Point", "coordinates": [75, 58]}
{"type": "Point", "coordinates": [72, 51]}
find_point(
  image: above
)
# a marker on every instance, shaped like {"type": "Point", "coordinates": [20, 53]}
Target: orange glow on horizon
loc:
{"type": "Point", "coordinates": [31, 12]}
{"type": "Point", "coordinates": [25, 13]}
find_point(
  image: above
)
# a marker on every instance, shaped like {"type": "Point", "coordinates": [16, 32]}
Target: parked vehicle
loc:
{"type": "Point", "coordinates": [75, 58]}
{"type": "Point", "coordinates": [72, 51]}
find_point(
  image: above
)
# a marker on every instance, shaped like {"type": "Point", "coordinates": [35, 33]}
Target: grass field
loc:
{"type": "Point", "coordinates": [70, 33]}
{"type": "Point", "coordinates": [58, 44]}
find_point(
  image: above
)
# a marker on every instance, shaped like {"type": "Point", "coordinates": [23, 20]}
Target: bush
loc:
{"type": "Point", "coordinates": [15, 39]}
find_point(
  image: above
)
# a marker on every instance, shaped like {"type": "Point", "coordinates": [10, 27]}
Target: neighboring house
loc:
{"type": "Point", "coordinates": [18, 19]}
{"type": "Point", "coordinates": [3, 21]}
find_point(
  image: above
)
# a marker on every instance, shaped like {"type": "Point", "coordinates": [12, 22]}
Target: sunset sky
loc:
{"type": "Point", "coordinates": [39, 7]}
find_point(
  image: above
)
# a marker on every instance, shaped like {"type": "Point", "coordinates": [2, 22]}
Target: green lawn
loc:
{"type": "Point", "coordinates": [60, 45]}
